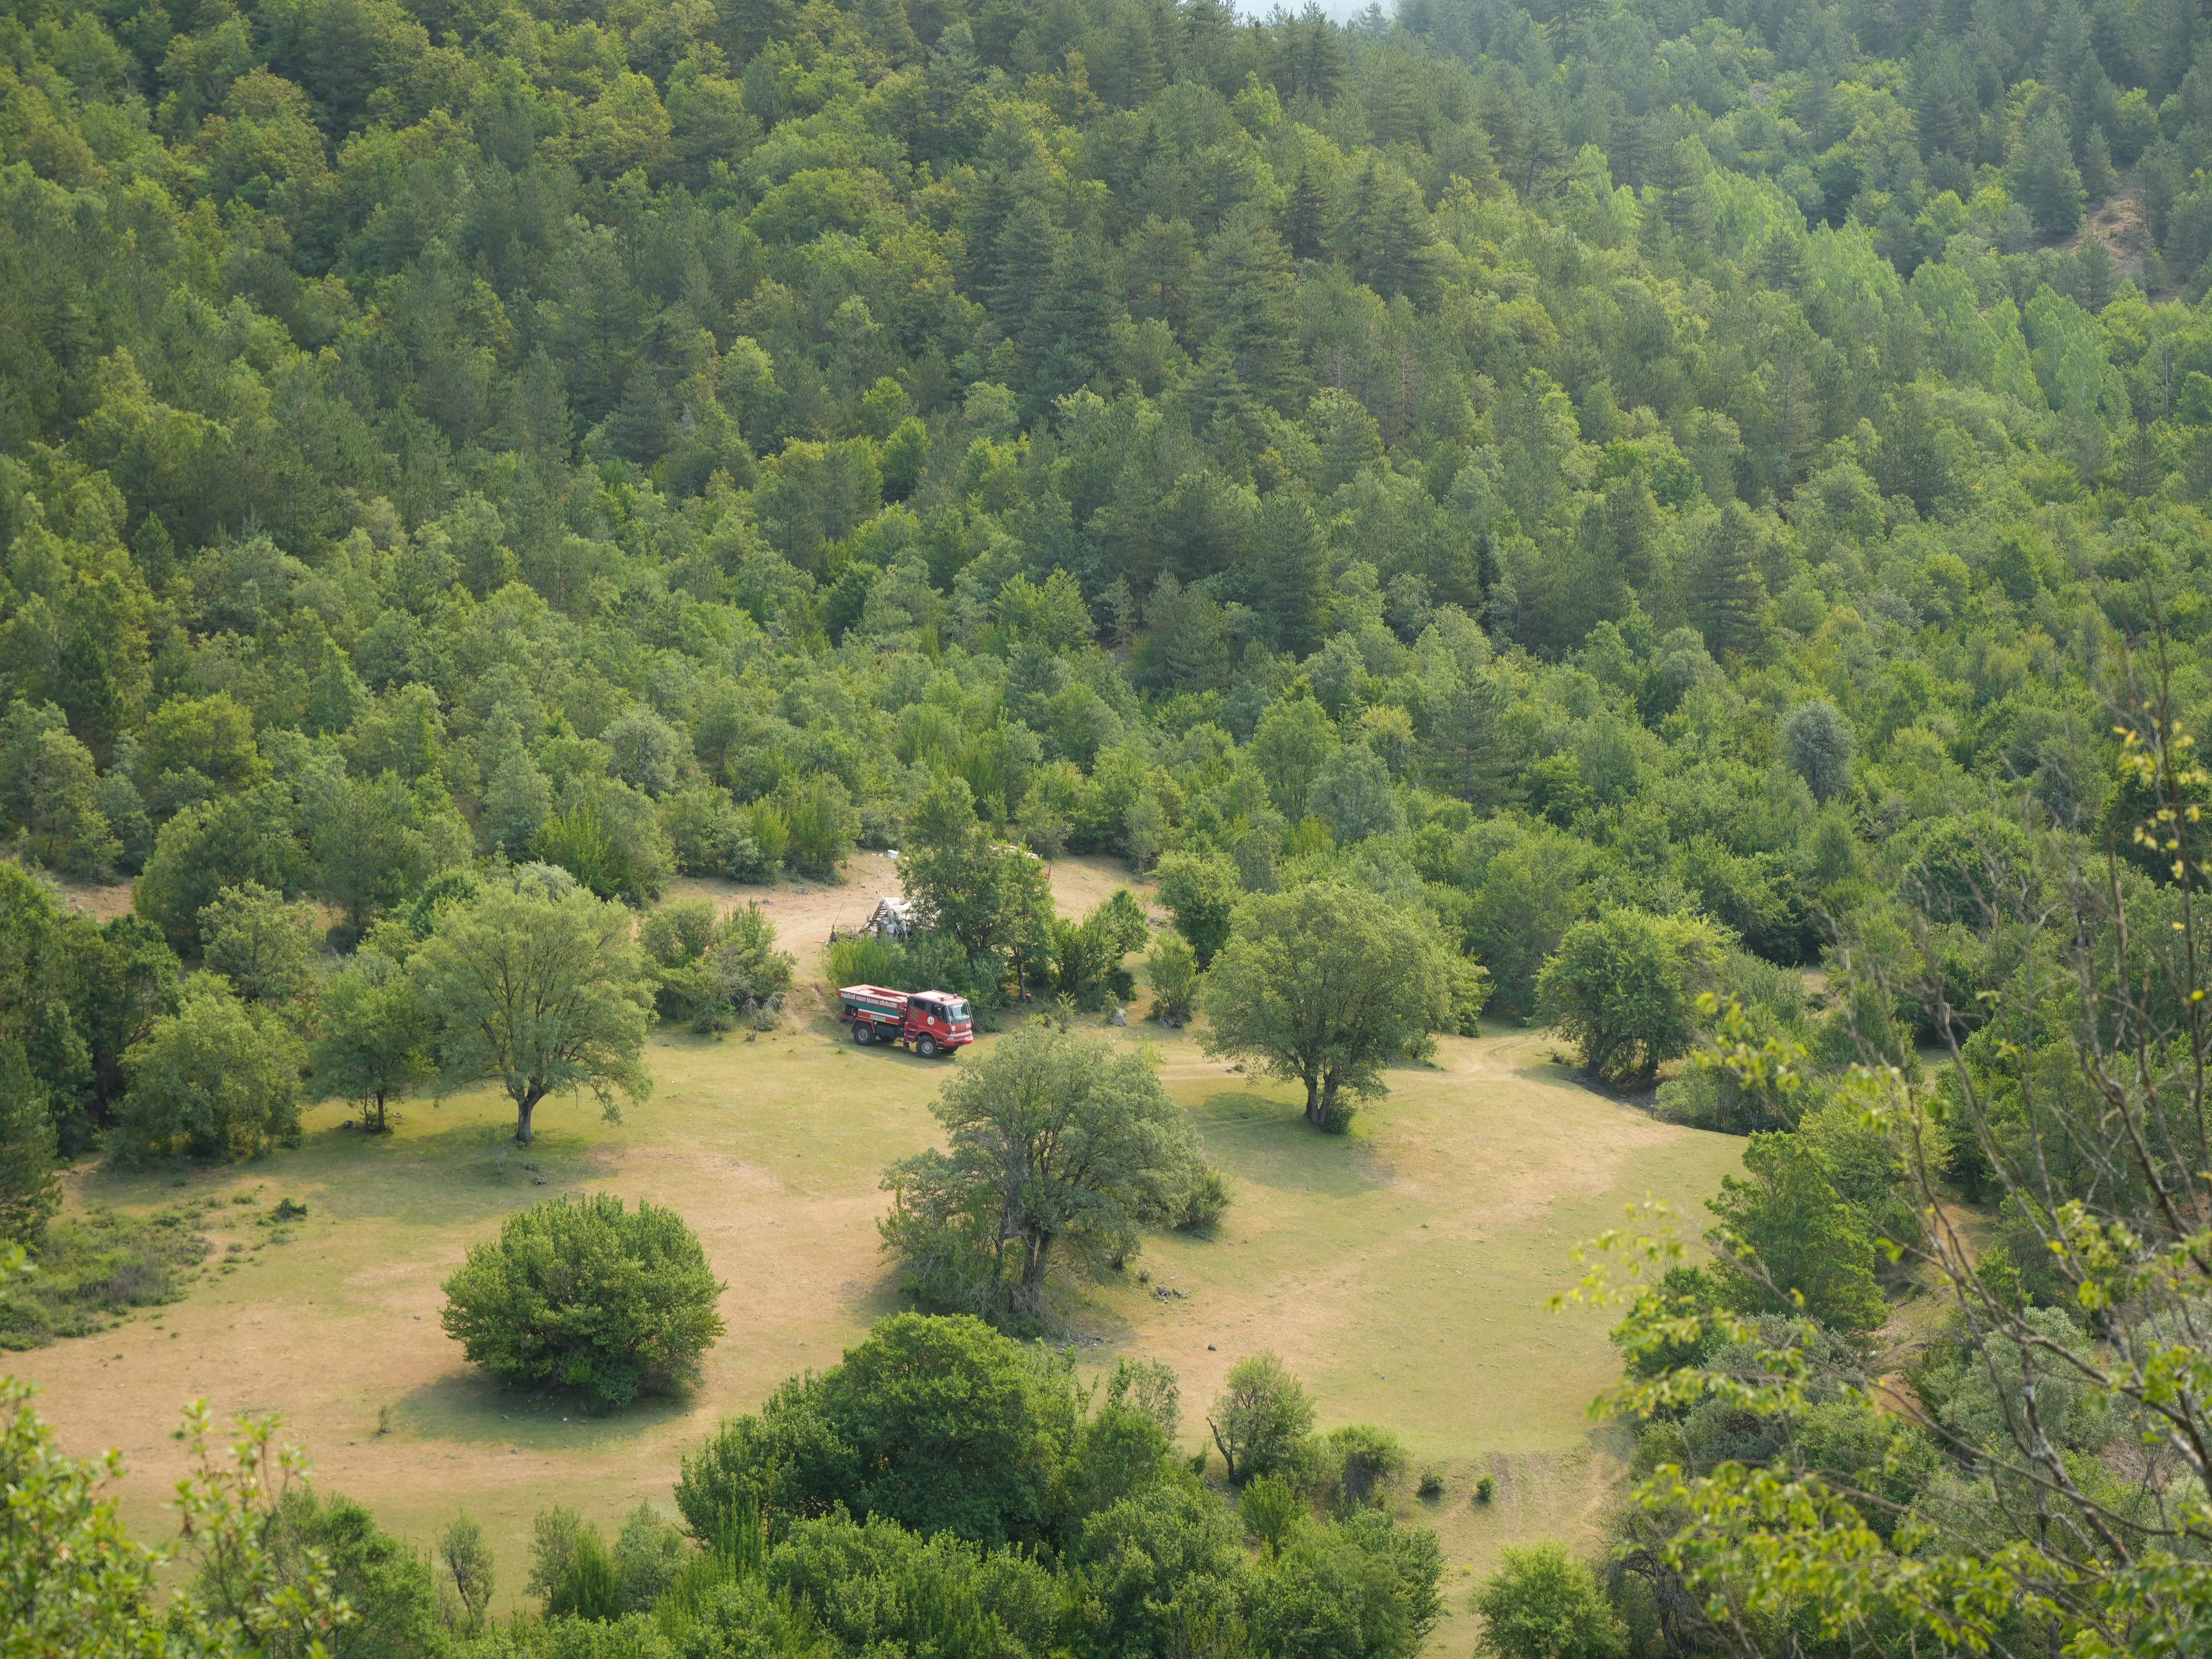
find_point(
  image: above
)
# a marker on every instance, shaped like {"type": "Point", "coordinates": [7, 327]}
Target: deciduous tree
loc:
{"type": "Point", "coordinates": [217, 1080]}
{"type": "Point", "coordinates": [1324, 984]}
{"type": "Point", "coordinates": [546, 995]}
{"type": "Point", "coordinates": [1058, 1147]}
{"type": "Point", "coordinates": [1625, 985]}
{"type": "Point", "coordinates": [374, 1038]}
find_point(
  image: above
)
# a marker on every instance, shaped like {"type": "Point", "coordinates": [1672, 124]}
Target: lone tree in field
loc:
{"type": "Point", "coordinates": [1323, 983]}
{"type": "Point", "coordinates": [545, 991]}
{"type": "Point", "coordinates": [373, 1044]}
{"type": "Point", "coordinates": [1059, 1146]}
{"type": "Point", "coordinates": [1262, 1419]}
{"type": "Point", "coordinates": [1624, 986]}
{"type": "Point", "coordinates": [584, 1294]}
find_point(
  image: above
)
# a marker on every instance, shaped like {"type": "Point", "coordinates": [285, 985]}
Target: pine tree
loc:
{"type": "Point", "coordinates": [984, 217]}
{"type": "Point", "coordinates": [1021, 258]}
{"type": "Point", "coordinates": [2096, 279]}
{"type": "Point", "coordinates": [1256, 301]}
{"type": "Point", "coordinates": [1306, 216]}
{"type": "Point", "coordinates": [2098, 179]}
{"type": "Point", "coordinates": [1727, 595]}
{"type": "Point", "coordinates": [1288, 572]}
{"type": "Point", "coordinates": [2045, 177]}
{"type": "Point", "coordinates": [1162, 258]}
{"type": "Point", "coordinates": [1683, 200]}
{"type": "Point", "coordinates": [1465, 749]}
{"type": "Point", "coordinates": [1390, 235]}
{"type": "Point", "coordinates": [1067, 337]}
{"type": "Point", "coordinates": [29, 1189]}
{"type": "Point", "coordinates": [1540, 155]}
{"type": "Point", "coordinates": [1311, 60]}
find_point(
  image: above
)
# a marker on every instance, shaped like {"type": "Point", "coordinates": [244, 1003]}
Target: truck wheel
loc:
{"type": "Point", "coordinates": [861, 1033]}
{"type": "Point", "coordinates": [927, 1048]}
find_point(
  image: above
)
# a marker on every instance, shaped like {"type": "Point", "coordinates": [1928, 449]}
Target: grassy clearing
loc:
{"type": "Point", "coordinates": [1400, 1272]}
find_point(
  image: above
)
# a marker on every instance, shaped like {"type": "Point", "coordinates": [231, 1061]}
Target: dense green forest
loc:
{"type": "Point", "coordinates": [1668, 495]}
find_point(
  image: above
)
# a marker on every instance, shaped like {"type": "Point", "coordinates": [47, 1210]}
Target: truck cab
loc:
{"type": "Point", "coordinates": [939, 1018]}
{"type": "Point", "coordinates": [931, 1023]}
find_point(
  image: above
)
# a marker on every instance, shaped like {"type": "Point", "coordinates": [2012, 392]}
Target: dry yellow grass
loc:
{"type": "Point", "coordinates": [1400, 1272]}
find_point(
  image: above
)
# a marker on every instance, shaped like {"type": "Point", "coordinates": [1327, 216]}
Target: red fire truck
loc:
{"type": "Point", "coordinates": [932, 1023]}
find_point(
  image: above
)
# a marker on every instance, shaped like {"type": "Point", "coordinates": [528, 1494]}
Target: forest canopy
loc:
{"type": "Point", "coordinates": [1647, 498]}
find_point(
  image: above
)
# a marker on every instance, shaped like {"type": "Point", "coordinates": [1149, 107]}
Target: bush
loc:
{"type": "Point", "coordinates": [1204, 1200]}
{"type": "Point", "coordinates": [937, 1423]}
{"type": "Point", "coordinates": [824, 825]}
{"type": "Point", "coordinates": [1201, 893]}
{"type": "Point", "coordinates": [862, 960]}
{"type": "Point", "coordinates": [713, 971]}
{"type": "Point", "coordinates": [1544, 1604]}
{"type": "Point", "coordinates": [584, 1294]}
{"type": "Point", "coordinates": [388, 1585]}
{"type": "Point", "coordinates": [1171, 967]}
{"type": "Point", "coordinates": [709, 834]}
{"type": "Point", "coordinates": [1356, 1463]}
{"type": "Point", "coordinates": [1270, 1508]}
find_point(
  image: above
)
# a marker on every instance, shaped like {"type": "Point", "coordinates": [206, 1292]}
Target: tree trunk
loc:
{"type": "Point", "coordinates": [524, 1106]}
{"type": "Point", "coordinates": [1226, 1456]}
{"type": "Point", "coordinates": [1313, 1112]}
{"type": "Point", "coordinates": [379, 1128]}
{"type": "Point", "coordinates": [1035, 1253]}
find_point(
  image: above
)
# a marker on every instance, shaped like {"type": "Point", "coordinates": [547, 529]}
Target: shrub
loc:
{"type": "Point", "coordinates": [388, 1585]}
{"type": "Point", "coordinates": [1357, 1461]}
{"type": "Point", "coordinates": [1201, 893]}
{"type": "Point", "coordinates": [584, 1294]}
{"type": "Point", "coordinates": [592, 1587]}
{"type": "Point", "coordinates": [862, 960]}
{"type": "Point", "coordinates": [823, 825]}
{"type": "Point", "coordinates": [711, 971]}
{"type": "Point", "coordinates": [94, 1265]}
{"type": "Point", "coordinates": [710, 834]}
{"type": "Point", "coordinates": [1171, 967]}
{"type": "Point", "coordinates": [1544, 1604]}
{"type": "Point", "coordinates": [1270, 1508]}
{"type": "Point", "coordinates": [1204, 1200]}
{"type": "Point", "coordinates": [937, 1423]}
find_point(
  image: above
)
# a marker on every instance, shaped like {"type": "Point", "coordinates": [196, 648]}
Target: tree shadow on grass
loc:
{"type": "Point", "coordinates": [868, 1300]}
{"type": "Point", "coordinates": [1259, 1137]}
{"type": "Point", "coordinates": [467, 1173]}
{"type": "Point", "coordinates": [466, 1407]}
